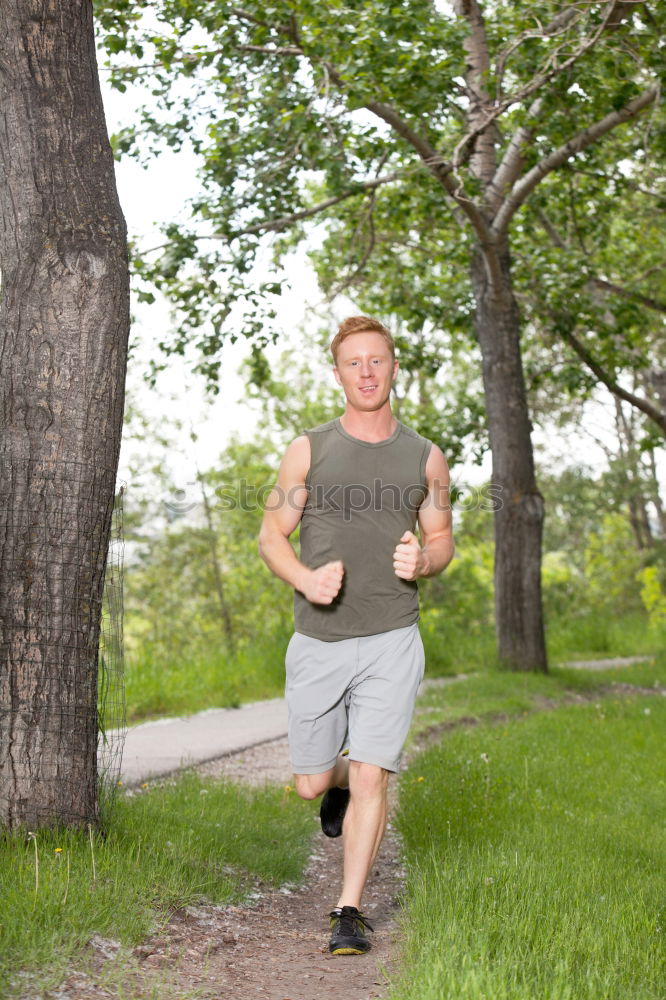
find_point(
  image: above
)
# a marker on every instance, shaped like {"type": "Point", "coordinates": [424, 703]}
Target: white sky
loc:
{"type": "Point", "coordinates": [149, 197]}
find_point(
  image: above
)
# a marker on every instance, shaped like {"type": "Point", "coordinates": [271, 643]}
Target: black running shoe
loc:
{"type": "Point", "coordinates": [348, 932]}
{"type": "Point", "coordinates": [332, 811]}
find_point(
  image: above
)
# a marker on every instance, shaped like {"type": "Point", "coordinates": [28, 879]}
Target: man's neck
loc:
{"type": "Point", "coordinates": [377, 425]}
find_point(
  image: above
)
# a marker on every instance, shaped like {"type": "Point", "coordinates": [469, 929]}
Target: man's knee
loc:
{"type": "Point", "coordinates": [310, 786]}
{"type": "Point", "coordinates": [367, 779]}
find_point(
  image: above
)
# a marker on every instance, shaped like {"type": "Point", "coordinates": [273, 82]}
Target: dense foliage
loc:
{"type": "Point", "coordinates": [286, 106]}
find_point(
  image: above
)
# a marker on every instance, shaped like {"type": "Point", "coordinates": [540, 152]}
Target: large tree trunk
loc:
{"type": "Point", "coordinates": [64, 321]}
{"type": "Point", "coordinates": [519, 518]}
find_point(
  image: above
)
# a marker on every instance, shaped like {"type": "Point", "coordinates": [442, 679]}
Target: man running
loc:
{"type": "Point", "coordinates": [357, 486]}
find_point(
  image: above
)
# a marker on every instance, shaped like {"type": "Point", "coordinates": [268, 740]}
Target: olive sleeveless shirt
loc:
{"type": "Point", "coordinates": [362, 497]}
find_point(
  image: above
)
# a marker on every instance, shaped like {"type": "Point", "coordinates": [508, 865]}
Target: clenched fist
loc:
{"type": "Point", "coordinates": [323, 584]}
{"type": "Point", "coordinates": [407, 558]}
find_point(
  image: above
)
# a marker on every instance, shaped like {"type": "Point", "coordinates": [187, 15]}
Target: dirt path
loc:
{"type": "Point", "coordinates": [273, 949]}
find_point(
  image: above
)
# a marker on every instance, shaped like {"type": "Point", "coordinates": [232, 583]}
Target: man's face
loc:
{"type": "Point", "coordinates": [365, 369]}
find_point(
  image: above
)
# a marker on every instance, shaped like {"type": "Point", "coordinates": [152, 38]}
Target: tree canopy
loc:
{"type": "Point", "coordinates": [435, 143]}
{"type": "Point", "coordinates": [372, 119]}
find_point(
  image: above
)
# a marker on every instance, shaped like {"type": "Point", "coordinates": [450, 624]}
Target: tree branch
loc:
{"type": "Point", "coordinates": [273, 50]}
{"type": "Point", "coordinates": [274, 225]}
{"type": "Point", "coordinates": [523, 188]}
{"type": "Point", "coordinates": [431, 158]}
{"type": "Point", "coordinates": [347, 282]}
{"type": "Point", "coordinates": [552, 232]}
{"type": "Point", "coordinates": [648, 408]}
{"type": "Point", "coordinates": [441, 169]}
{"type": "Point", "coordinates": [548, 71]}
{"type": "Point", "coordinates": [607, 286]}
{"type": "Point", "coordinates": [443, 172]}
{"type": "Point", "coordinates": [627, 293]}
{"type": "Point", "coordinates": [245, 15]}
{"type": "Point", "coordinates": [436, 164]}
{"type": "Point", "coordinates": [557, 26]}
{"type": "Point", "coordinates": [483, 138]}
{"type": "Point", "coordinates": [620, 9]}
{"type": "Point", "coordinates": [509, 169]}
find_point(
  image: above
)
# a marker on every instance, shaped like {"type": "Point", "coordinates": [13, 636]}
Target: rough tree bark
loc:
{"type": "Point", "coordinates": [520, 514]}
{"type": "Point", "coordinates": [518, 523]}
{"type": "Point", "coordinates": [64, 321]}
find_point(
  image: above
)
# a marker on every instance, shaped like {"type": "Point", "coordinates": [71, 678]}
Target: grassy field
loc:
{"type": "Point", "coordinates": [165, 846]}
{"type": "Point", "coordinates": [600, 635]}
{"type": "Point", "coordinates": [157, 687]}
{"type": "Point", "coordinates": [489, 693]}
{"type": "Point", "coordinates": [536, 847]}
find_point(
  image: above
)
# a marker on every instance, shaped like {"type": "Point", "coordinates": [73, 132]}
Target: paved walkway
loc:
{"type": "Point", "coordinates": [617, 661]}
{"type": "Point", "coordinates": [165, 745]}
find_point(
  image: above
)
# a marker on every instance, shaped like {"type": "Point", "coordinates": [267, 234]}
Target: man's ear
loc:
{"type": "Point", "coordinates": [396, 366]}
{"type": "Point", "coordinates": [337, 376]}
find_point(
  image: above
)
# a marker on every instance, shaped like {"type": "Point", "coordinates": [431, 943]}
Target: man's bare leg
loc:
{"type": "Point", "coordinates": [364, 826]}
{"type": "Point", "coordinates": [310, 786]}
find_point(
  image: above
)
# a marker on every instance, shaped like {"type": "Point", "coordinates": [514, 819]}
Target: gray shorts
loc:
{"type": "Point", "coordinates": [356, 692]}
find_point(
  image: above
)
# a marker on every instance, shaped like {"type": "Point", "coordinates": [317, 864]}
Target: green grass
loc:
{"type": "Point", "coordinates": [600, 635]}
{"type": "Point", "coordinates": [536, 849]}
{"type": "Point", "coordinates": [451, 649]}
{"type": "Point", "coordinates": [157, 687]}
{"type": "Point", "coordinates": [178, 843]}
{"type": "Point", "coordinates": [165, 846]}
{"type": "Point", "coordinates": [489, 693]}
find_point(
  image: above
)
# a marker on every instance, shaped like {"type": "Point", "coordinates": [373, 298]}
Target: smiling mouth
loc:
{"type": "Point", "coordinates": [368, 388]}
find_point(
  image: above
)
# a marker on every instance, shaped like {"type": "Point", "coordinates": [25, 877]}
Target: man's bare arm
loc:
{"type": "Point", "coordinates": [282, 514]}
{"type": "Point", "coordinates": [410, 559]}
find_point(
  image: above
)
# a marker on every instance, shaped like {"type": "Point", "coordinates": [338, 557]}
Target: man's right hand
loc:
{"type": "Point", "coordinates": [322, 585]}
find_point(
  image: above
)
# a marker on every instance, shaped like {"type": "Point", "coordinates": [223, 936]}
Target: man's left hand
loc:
{"type": "Point", "coordinates": [408, 558]}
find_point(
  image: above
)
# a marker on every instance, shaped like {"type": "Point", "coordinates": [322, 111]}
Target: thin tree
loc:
{"type": "Point", "coordinates": [226, 621]}
{"type": "Point", "coordinates": [64, 320]}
